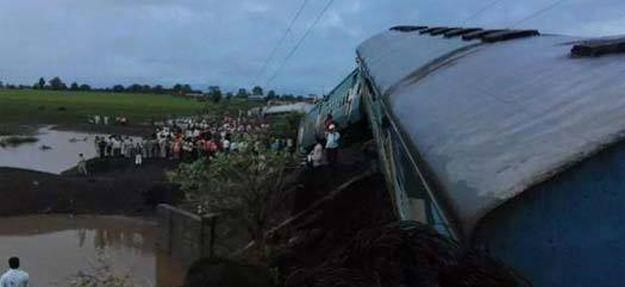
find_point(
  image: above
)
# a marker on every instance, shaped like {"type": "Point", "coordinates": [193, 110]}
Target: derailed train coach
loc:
{"type": "Point", "coordinates": [505, 140]}
{"type": "Point", "coordinates": [342, 103]}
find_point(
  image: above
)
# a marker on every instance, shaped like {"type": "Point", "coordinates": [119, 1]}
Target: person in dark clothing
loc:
{"type": "Point", "coordinates": [102, 147]}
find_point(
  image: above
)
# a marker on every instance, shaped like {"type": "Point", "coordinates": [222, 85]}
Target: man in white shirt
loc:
{"type": "Point", "coordinates": [117, 147]}
{"type": "Point", "coordinates": [332, 144]}
{"type": "Point", "coordinates": [225, 144]}
{"type": "Point", "coordinates": [14, 277]}
{"type": "Point", "coordinates": [82, 169]}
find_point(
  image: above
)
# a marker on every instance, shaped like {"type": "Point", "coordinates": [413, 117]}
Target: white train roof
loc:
{"type": "Point", "coordinates": [492, 120]}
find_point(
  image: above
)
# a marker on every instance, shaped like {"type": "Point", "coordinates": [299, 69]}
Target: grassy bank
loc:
{"type": "Point", "coordinates": [14, 141]}
{"type": "Point", "coordinates": [20, 108]}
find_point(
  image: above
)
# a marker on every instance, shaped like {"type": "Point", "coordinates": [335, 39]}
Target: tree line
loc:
{"type": "Point", "coordinates": [214, 92]}
{"type": "Point", "coordinates": [57, 84]}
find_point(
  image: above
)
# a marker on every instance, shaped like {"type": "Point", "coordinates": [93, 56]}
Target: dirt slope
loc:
{"type": "Point", "coordinates": [119, 190]}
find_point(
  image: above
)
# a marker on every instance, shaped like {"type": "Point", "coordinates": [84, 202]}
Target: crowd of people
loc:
{"type": "Point", "coordinates": [106, 120]}
{"type": "Point", "coordinates": [192, 138]}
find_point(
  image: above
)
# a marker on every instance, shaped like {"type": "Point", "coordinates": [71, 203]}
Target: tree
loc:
{"type": "Point", "coordinates": [229, 95]}
{"type": "Point", "coordinates": [134, 88]}
{"type": "Point", "coordinates": [186, 88]}
{"type": "Point", "coordinates": [288, 97]}
{"type": "Point", "coordinates": [118, 88]}
{"type": "Point", "coordinates": [271, 95]}
{"type": "Point", "coordinates": [215, 93]}
{"type": "Point", "coordinates": [1, 85]}
{"type": "Point", "coordinates": [41, 84]}
{"type": "Point", "coordinates": [84, 87]}
{"type": "Point", "coordinates": [182, 89]}
{"type": "Point", "coordinates": [244, 186]}
{"type": "Point", "coordinates": [158, 89]}
{"type": "Point", "coordinates": [242, 94]}
{"type": "Point", "coordinates": [146, 88]}
{"type": "Point", "coordinates": [257, 91]}
{"type": "Point", "coordinates": [177, 88]}
{"type": "Point", "coordinates": [74, 86]}
{"type": "Point", "coordinates": [57, 84]}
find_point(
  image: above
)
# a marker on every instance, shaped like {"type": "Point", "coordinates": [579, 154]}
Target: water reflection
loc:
{"type": "Point", "coordinates": [65, 147]}
{"type": "Point", "coordinates": [53, 248]}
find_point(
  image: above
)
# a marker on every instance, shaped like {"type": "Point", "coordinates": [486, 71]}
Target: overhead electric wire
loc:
{"type": "Point", "coordinates": [482, 10]}
{"type": "Point", "coordinates": [299, 43]}
{"type": "Point", "coordinates": [537, 13]}
{"type": "Point", "coordinates": [281, 41]}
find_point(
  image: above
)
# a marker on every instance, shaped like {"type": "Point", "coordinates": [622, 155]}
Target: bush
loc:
{"type": "Point", "coordinates": [286, 125]}
{"type": "Point", "coordinates": [101, 275]}
{"type": "Point", "coordinates": [238, 185]}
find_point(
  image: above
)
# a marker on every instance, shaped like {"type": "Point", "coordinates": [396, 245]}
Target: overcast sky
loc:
{"type": "Point", "coordinates": [103, 42]}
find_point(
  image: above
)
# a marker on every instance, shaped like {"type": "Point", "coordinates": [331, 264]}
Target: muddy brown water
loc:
{"type": "Point", "coordinates": [53, 248]}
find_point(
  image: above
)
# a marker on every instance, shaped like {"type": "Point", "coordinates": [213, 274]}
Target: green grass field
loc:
{"type": "Point", "coordinates": [67, 108]}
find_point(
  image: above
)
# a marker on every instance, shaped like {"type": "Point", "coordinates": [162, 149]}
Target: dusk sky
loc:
{"type": "Point", "coordinates": [104, 42]}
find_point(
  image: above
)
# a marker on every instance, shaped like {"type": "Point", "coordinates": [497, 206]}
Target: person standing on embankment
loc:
{"type": "Point", "coordinates": [332, 145]}
{"type": "Point", "coordinates": [82, 167]}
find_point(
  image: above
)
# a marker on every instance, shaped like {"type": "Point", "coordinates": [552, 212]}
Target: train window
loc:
{"type": "Point", "coordinates": [411, 191]}
{"type": "Point", "coordinates": [407, 176]}
{"type": "Point", "coordinates": [370, 89]}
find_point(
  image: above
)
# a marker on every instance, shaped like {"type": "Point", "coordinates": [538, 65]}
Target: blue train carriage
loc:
{"type": "Point", "coordinates": [342, 103]}
{"type": "Point", "coordinates": [508, 141]}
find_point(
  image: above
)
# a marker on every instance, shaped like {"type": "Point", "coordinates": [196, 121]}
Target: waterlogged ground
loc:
{"type": "Point", "coordinates": [54, 152]}
{"type": "Point", "coordinates": [54, 248]}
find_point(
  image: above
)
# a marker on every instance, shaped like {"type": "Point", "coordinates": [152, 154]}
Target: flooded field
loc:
{"type": "Point", "coordinates": [54, 152]}
{"type": "Point", "coordinates": [54, 248]}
